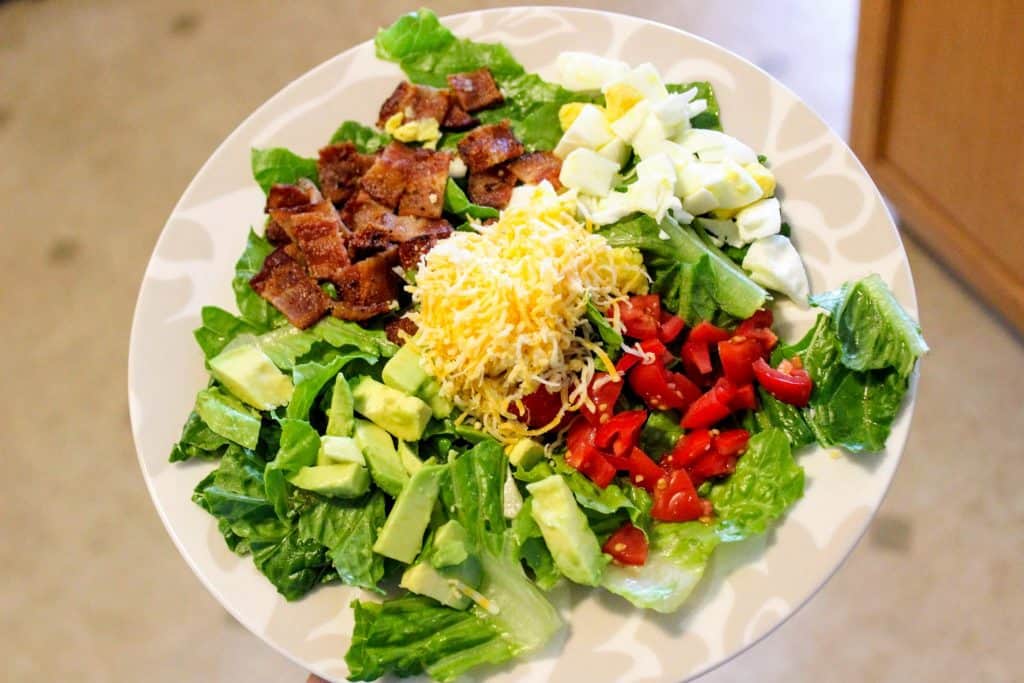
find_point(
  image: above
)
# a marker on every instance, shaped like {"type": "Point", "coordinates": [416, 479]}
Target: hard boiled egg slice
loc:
{"type": "Point", "coordinates": [674, 111]}
{"type": "Point", "coordinates": [731, 185]}
{"type": "Point", "coordinates": [626, 126]}
{"type": "Point", "coordinates": [700, 202]}
{"type": "Point", "coordinates": [644, 78]}
{"type": "Point", "coordinates": [725, 231]}
{"type": "Point", "coordinates": [589, 129]}
{"type": "Point", "coordinates": [616, 150]}
{"type": "Point", "coordinates": [651, 137]}
{"type": "Point", "coordinates": [653, 192]}
{"type": "Point", "coordinates": [763, 218]}
{"type": "Point", "coordinates": [589, 172]}
{"type": "Point", "coordinates": [773, 262]}
{"type": "Point", "coordinates": [585, 71]}
{"type": "Point", "coordinates": [713, 146]}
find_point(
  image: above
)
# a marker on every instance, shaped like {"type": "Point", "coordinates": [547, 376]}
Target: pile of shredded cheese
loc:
{"type": "Point", "coordinates": [499, 310]}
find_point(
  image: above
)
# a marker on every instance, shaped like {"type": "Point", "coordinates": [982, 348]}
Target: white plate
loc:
{"type": "Point", "coordinates": [840, 226]}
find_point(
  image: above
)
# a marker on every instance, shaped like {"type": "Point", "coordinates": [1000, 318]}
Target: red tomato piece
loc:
{"type": "Point", "coordinates": [641, 316]}
{"type": "Point", "coordinates": [712, 465]}
{"type": "Point", "coordinates": [643, 471]}
{"type": "Point", "coordinates": [738, 355]}
{"type": "Point", "coordinates": [696, 358]}
{"type": "Point", "coordinates": [584, 455]}
{"type": "Point", "coordinates": [661, 389]}
{"type": "Point", "coordinates": [603, 393]}
{"type": "Point", "coordinates": [713, 406]}
{"type": "Point", "coordinates": [731, 441]}
{"type": "Point", "coordinates": [619, 434]}
{"type": "Point", "coordinates": [706, 333]}
{"type": "Point", "coordinates": [790, 383]}
{"type": "Point", "coordinates": [745, 399]}
{"type": "Point", "coordinates": [759, 327]}
{"type": "Point", "coordinates": [693, 446]}
{"type": "Point", "coordinates": [671, 327]}
{"type": "Point", "coordinates": [599, 470]}
{"type": "Point", "coordinates": [627, 546]}
{"type": "Point", "coordinates": [541, 407]}
{"type": "Point", "coordinates": [658, 349]}
{"type": "Point", "coordinates": [676, 499]}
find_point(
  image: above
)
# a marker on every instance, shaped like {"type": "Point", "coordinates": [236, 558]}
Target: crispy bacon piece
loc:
{"type": "Point", "coordinates": [415, 102]}
{"type": "Point", "coordinates": [492, 187]}
{"type": "Point", "coordinates": [489, 146]}
{"type": "Point", "coordinates": [400, 329]}
{"type": "Point", "coordinates": [340, 167]}
{"type": "Point", "coordinates": [283, 282]}
{"type": "Point", "coordinates": [411, 251]}
{"type": "Point", "coordinates": [320, 239]}
{"type": "Point", "coordinates": [285, 200]}
{"type": "Point", "coordinates": [285, 217]}
{"type": "Point", "coordinates": [275, 234]}
{"type": "Point", "coordinates": [475, 90]}
{"type": "Point", "coordinates": [368, 287]}
{"type": "Point", "coordinates": [534, 167]}
{"type": "Point", "coordinates": [458, 118]}
{"type": "Point", "coordinates": [410, 179]}
{"type": "Point", "coordinates": [375, 227]}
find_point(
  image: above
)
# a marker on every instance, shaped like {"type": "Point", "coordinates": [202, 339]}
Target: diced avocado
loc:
{"type": "Point", "coordinates": [402, 535]}
{"type": "Point", "coordinates": [338, 449]}
{"type": "Point", "coordinates": [249, 374]}
{"type": "Point", "coordinates": [342, 480]}
{"type": "Point", "coordinates": [404, 372]}
{"type": "Point", "coordinates": [450, 545]}
{"type": "Point", "coordinates": [339, 415]}
{"type": "Point", "coordinates": [443, 585]}
{"type": "Point", "coordinates": [526, 453]}
{"type": "Point", "coordinates": [404, 416]}
{"type": "Point", "coordinates": [381, 457]}
{"type": "Point", "coordinates": [439, 405]}
{"type": "Point", "coordinates": [410, 461]}
{"type": "Point", "coordinates": [573, 545]}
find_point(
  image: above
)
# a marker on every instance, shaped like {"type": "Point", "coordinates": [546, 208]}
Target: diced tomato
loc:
{"type": "Point", "coordinates": [627, 546]}
{"type": "Point", "coordinates": [696, 358]}
{"type": "Point", "coordinates": [694, 445]}
{"type": "Point", "coordinates": [676, 499]}
{"type": "Point", "coordinates": [713, 406]}
{"type": "Point", "coordinates": [671, 327]}
{"type": "Point", "coordinates": [643, 471]}
{"type": "Point", "coordinates": [583, 454]}
{"type": "Point", "coordinates": [603, 393]}
{"type": "Point", "coordinates": [790, 383]}
{"type": "Point", "coordinates": [712, 465]}
{"type": "Point", "coordinates": [759, 328]}
{"type": "Point", "coordinates": [738, 355]}
{"type": "Point", "coordinates": [641, 316]}
{"type": "Point", "coordinates": [762, 317]}
{"type": "Point", "coordinates": [745, 399]}
{"type": "Point", "coordinates": [731, 441]}
{"type": "Point", "coordinates": [599, 470]}
{"type": "Point", "coordinates": [706, 333]}
{"type": "Point", "coordinates": [619, 434]}
{"type": "Point", "coordinates": [658, 349]}
{"type": "Point", "coordinates": [541, 407]}
{"type": "Point", "coordinates": [661, 389]}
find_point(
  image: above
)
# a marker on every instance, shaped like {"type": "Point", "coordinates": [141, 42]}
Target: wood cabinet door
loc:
{"type": "Point", "coordinates": [938, 119]}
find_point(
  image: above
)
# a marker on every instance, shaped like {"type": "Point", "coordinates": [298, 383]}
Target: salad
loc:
{"type": "Point", "coordinates": [514, 335]}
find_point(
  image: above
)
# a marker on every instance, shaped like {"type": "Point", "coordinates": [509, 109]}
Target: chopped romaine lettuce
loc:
{"type": "Point", "coordinates": [456, 201]}
{"type": "Point", "coordinates": [227, 416]}
{"type": "Point", "coordinates": [348, 529]}
{"type": "Point", "coordinates": [299, 446]}
{"type": "Point", "coordinates": [280, 165]}
{"type": "Point", "coordinates": [367, 140]}
{"type": "Point", "coordinates": [254, 308]}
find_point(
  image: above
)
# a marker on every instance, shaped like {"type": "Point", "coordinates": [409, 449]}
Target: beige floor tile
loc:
{"type": "Point", "coordinates": [106, 111]}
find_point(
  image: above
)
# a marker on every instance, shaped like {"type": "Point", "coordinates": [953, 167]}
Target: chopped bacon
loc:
{"type": "Point", "coordinates": [284, 283]}
{"type": "Point", "coordinates": [368, 287]}
{"type": "Point", "coordinates": [488, 146]}
{"type": "Point", "coordinates": [284, 217]}
{"type": "Point", "coordinates": [475, 90]}
{"type": "Point", "coordinates": [319, 237]}
{"type": "Point", "coordinates": [283, 196]}
{"type": "Point", "coordinates": [340, 167]}
{"type": "Point", "coordinates": [534, 167]}
{"type": "Point", "coordinates": [399, 330]}
{"type": "Point", "coordinates": [275, 234]}
{"type": "Point", "coordinates": [458, 118]}
{"type": "Point", "coordinates": [375, 227]}
{"type": "Point", "coordinates": [415, 102]}
{"type": "Point", "coordinates": [362, 211]}
{"type": "Point", "coordinates": [492, 187]}
{"type": "Point", "coordinates": [411, 251]}
{"type": "Point", "coordinates": [410, 179]}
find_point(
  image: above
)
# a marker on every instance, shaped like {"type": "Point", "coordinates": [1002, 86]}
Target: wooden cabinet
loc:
{"type": "Point", "coordinates": [938, 119]}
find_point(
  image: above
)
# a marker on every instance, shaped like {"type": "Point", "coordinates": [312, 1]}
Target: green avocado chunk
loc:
{"type": "Point", "coordinates": [338, 449]}
{"type": "Point", "coordinates": [339, 415]}
{"type": "Point", "coordinates": [402, 535]}
{"type": "Point", "coordinates": [378, 448]}
{"type": "Point", "coordinates": [439, 405]}
{"type": "Point", "coordinates": [564, 527]}
{"type": "Point", "coordinates": [249, 374]}
{"type": "Point", "coordinates": [526, 453]}
{"type": "Point", "coordinates": [342, 480]}
{"type": "Point", "coordinates": [443, 584]}
{"type": "Point", "coordinates": [404, 372]}
{"type": "Point", "coordinates": [450, 545]}
{"type": "Point", "coordinates": [403, 416]}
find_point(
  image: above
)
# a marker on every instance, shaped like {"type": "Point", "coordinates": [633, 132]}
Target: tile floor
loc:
{"type": "Point", "coordinates": [108, 108]}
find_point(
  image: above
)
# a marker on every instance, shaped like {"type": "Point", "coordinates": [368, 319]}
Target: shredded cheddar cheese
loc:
{"type": "Point", "coordinates": [499, 310]}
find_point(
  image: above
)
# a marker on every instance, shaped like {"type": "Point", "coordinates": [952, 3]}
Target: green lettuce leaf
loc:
{"type": "Point", "coordinates": [532, 548]}
{"type": "Point", "coordinates": [218, 329]}
{"type": "Point", "coordinates": [348, 529]}
{"type": "Point", "coordinates": [677, 557]}
{"type": "Point", "coordinates": [227, 416]}
{"type": "Point", "coordinates": [610, 337]}
{"type": "Point", "coordinates": [873, 329]}
{"type": "Point", "coordinates": [298, 448]}
{"type": "Point", "coordinates": [766, 482]}
{"type": "Point", "coordinates": [666, 245]}
{"type": "Point", "coordinates": [456, 201]}
{"type": "Point", "coordinates": [254, 308]}
{"type": "Point", "coordinates": [689, 289]}
{"type": "Point", "coordinates": [773, 413]}
{"type": "Point", "coordinates": [279, 165]}
{"type": "Point", "coordinates": [293, 564]}
{"type": "Point", "coordinates": [198, 441]}
{"type": "Point", "coordinates": [283, 345]}
{"type": "Point", "coordinates": [342, 334]}
{"type": "Point", "coordinates": [414, 635]}
{"type": "Point", "coordinates": [310, 379]}
{"type": "Point", "coordinates": [660, 433]}
{"type": "Point", "coordinates": [367, 140]}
